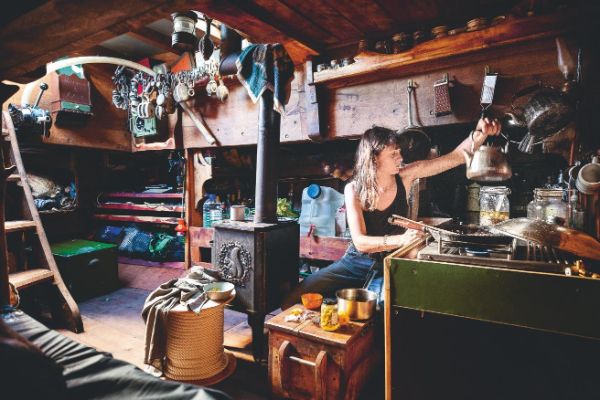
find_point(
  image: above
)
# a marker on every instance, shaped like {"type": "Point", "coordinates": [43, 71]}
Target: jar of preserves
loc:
{"type": "Point", "coordinates": [329, 315]}
{"type": "Point", "coordinates": [548, 205]}
{"type": "Point", "coordinates": [494, 205]}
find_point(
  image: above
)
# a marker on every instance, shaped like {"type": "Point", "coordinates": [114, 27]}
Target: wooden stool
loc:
{"type": "Point", "coordinates": [307, 362]}
{"type": "Point", "coordinates": [195, 350]}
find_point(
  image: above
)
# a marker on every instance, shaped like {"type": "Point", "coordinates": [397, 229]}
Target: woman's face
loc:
{"type": "Point", "coordinates": [389, 160]}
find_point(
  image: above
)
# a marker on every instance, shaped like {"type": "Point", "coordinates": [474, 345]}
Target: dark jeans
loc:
{"type": "Point", "coordinates": [349, 272]}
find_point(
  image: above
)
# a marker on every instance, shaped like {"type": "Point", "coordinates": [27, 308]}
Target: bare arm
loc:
{"type": "Point", "coordinates": [358, 230]}
{"type": "Point", "coordinates": [426, 168]}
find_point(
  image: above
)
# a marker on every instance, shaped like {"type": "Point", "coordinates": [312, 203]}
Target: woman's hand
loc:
{"type": "Point", "coordinates": [485, 127]}
{"type": "Point", "coordinates": [405, 239]}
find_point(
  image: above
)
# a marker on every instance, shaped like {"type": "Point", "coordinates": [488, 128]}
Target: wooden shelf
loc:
{"type": "Point", "coordinates": [137, 218]}
{"type": "Point", "coordinates": [142, 207]}
{"type": "Point", "coordinates": [428, 56]}
{"type": "Point", "coordinates": [136, 195]}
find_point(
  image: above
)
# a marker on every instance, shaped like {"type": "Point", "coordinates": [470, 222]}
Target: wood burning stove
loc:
{"type": "Point", "coordinates": [261, 257]}
{"type": "Point", "coordinates": [261, 260]}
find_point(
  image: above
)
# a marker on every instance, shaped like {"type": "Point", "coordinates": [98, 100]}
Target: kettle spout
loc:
{"type": "Point", "coordinates": [512, 120]}
{"type": "Point", "coordinates": [468, 157]}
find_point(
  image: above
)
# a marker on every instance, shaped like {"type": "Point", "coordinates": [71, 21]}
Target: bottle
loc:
{"type": "Point", "coordinates": [340, 221]}
{"type": "Point", "coordinates": [329, 315]}
{"type": "Point", "coordinates": [319, 208]}
{"type": "Point", "coordinates": [216, 213]}
{"type": "Point", "coordinates": [206, 211]}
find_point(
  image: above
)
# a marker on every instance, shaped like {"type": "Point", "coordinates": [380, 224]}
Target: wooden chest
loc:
{"type": "Point", "coordinates": [306, 362]}
{"type": "Point", "coordinates": [88, 268]}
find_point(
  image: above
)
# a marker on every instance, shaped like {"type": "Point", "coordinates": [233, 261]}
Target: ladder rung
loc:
{"type": "Point", "coordinates": [14, 178]}
{"type": "Point", "coordinates": [23, 279]}
{"type": "Point", "coordinates": [16, 226]}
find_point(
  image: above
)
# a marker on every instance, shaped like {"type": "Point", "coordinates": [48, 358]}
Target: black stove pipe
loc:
{"type": "Point", "coordinates": [267, 154]}
{"type": "Point", "coordinates": [231, 46]}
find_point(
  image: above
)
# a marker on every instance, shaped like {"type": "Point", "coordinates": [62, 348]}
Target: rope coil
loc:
{"type": "Point", "coordinates": [195, 344]}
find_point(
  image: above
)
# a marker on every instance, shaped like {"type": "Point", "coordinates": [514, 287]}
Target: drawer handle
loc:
{"type": "Point", "coordinates": [319, 365]}
{"type": "Point", "coordinates": [94, 263]}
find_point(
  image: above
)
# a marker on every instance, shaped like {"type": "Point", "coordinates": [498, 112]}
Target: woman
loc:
{"type": "Point", "coordinates": [378, 190]}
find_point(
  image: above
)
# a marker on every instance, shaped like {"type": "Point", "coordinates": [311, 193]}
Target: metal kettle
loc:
{"type": "Point", "coordinates": [488, 164]}
{"type": "Point", "coordinates": [546, 112]}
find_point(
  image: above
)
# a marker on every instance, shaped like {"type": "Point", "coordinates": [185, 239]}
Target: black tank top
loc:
{"type": "Point", "coordinates": [376, 220]}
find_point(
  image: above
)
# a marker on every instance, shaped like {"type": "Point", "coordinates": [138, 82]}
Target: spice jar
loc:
{"type": "Point", "coordinates": [494, 206]}
{"type": "Point", "coordinates": [382, 47]}
{"type": "Point", "coordinates": [329, 315]}
{"type": "Point", "coordinates": [400, 42]}
{"type": "Point", "coordinates": [548, 205]}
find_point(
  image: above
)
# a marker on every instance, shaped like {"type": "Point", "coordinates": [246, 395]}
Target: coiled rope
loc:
{"type": "Point", "coordinates": [195, 343]}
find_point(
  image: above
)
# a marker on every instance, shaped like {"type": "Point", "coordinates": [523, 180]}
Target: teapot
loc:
{"type": "Point", "coordinates": [547, 112]}
{"type": "Point", "coordinates": [488, 164]}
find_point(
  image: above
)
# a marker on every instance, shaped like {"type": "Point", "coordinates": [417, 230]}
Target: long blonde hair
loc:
{"type": "Point", "coordinates": [371, 144]}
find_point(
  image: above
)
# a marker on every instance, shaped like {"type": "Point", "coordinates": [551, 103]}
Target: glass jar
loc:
{"type": "Point", "coordinates": [329, 315]}
{"type": "Point", "coordinates": [548, 205]}
{"type": "Point", "coordinates": [494, 205]}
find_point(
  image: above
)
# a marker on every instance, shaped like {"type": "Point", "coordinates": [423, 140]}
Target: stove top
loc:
{"type": "Point", "coordinates": [517, 255]}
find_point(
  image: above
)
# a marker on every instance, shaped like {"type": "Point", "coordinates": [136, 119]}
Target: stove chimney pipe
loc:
{"type": "Point", "coordinates": [267, 154]}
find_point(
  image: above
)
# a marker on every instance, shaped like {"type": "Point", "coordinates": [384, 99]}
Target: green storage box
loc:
{"type": "Point", "coordinates": [89, 269]}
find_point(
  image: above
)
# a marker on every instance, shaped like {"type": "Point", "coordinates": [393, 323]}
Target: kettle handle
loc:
{"type": "Point", "coordinates": [528, 90]}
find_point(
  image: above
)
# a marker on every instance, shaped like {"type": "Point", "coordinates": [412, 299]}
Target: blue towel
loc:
{"type": "Point", "coordinates": [266, 66]}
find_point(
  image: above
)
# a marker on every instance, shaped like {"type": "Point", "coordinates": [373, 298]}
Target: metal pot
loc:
{"type": "Point", "coordinates": [358, 304]}
{"type": "Point", "coordinates": [547, 112]}
{"type": "Point", "coordinates": [488, 163]}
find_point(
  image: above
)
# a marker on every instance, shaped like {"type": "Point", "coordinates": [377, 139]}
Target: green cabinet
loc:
{"type": "Point", "coordinates": [89, 269]}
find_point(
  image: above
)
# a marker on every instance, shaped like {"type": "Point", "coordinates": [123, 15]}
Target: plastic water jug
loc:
{"type": "Point", "coordinates": [319, 206]}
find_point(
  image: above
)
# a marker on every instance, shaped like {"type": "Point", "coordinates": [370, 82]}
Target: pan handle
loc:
{"type": "Point", "coordinates": [406, 223]}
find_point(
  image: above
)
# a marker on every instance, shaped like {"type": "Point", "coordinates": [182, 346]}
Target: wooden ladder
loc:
{"type": "Point", "coordinates": [63, 305]}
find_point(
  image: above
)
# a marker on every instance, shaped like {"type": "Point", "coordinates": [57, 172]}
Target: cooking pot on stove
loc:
{"type": "Point", "coordinates": [547, 111]}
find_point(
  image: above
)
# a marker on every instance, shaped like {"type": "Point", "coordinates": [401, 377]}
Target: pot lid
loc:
{"type": "Point", "coordinates": [551, 235]}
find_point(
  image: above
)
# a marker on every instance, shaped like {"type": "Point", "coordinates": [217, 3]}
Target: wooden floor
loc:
{"type": "Point", "coordinates": [113, 323]}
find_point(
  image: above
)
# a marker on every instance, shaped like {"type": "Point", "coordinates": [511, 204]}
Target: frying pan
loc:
{"type": "Point", "coordinates": [414, 143]}
{"type": "Point", "coordinates": [468, 234]}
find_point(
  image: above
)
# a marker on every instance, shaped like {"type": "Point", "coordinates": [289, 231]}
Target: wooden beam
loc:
{"type": "Point", "coordinates": [154, 39]}
{"type": "Point", "coordinates": [62, 27]}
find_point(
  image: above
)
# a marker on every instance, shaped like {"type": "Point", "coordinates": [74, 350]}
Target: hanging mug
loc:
{"type": "Point", "coordinates": [159, 112]}
{"type": "Point", "coordinates": [222, 91]}
{"type": "Point", "coordinates": [145, 109]}
{"type": "Point", "coordinates": [211, 86]}
{"type": "Point", "coordinates": [181, 92]}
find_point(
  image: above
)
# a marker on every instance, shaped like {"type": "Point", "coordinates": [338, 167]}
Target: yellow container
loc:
{"type": "Point", "coordinates": [329, 315]}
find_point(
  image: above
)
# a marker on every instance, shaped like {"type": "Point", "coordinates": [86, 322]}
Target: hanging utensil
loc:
{"type": "Point", "coordinates": [414, 143]}
{"type": "Point", "coordinates": [206, 45]}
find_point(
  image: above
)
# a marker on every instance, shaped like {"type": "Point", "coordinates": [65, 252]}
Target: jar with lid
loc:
{"type": "Point", "coordinates": [400, 42]}
{"type": "Point", "coordinates": [494, 205]}
{"type": "Point", "coordinates": [548, 205]}
{"type": "Point", "coordinates": [329, 315]}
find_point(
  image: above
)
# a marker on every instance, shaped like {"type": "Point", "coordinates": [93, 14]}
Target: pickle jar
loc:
{"type": "Point", "coordinates": [494, 205]}
{"type": "Point", "coordinates": [548, 205]}
{"type": "Point", "coordinates": [329, 315]}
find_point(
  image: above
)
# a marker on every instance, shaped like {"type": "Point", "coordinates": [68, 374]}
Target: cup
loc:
{"type": "Point", "coordinates": [145, 109]}
{"type": "Point", "coordinates": [588, 178]}
{"type": "Point", "coordinates": [237, 213]}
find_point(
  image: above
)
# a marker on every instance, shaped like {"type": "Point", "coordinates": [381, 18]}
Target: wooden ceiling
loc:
{"type": "Point", "coordinates": [333, 23]}
{"type": "Point", "coordinates": [38, 32]}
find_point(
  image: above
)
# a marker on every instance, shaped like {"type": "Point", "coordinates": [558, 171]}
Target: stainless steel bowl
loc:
{"type": "Point", "coordinates": [219, 291]}
{"type": "Point", "coordinates": [359, 304]}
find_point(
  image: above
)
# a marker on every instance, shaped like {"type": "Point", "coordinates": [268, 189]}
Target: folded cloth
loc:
{"type": "Point", "coordinates": [266, 66]}
{"type": "Point", "coordinates": [156, 310]}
